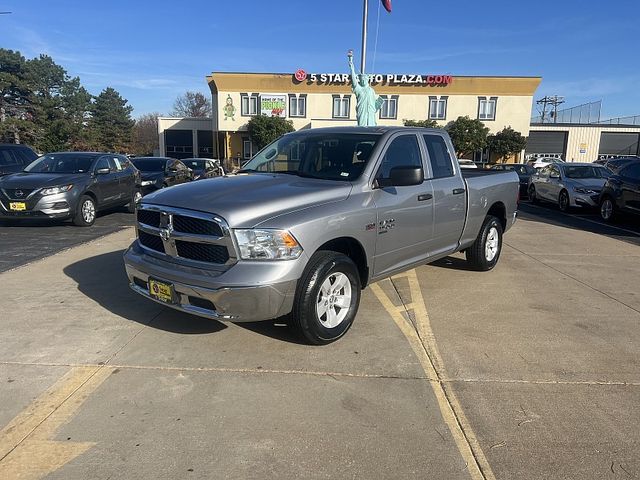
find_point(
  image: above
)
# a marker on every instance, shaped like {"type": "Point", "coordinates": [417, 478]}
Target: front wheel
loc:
{"type": "Point", "coordinates": [327, 298]}
{"type": "Point", "coordinates": [483, 255]}
{"type": "Point", "coordinates": [563, 201]}
{"type": "Point", "coordinates": [86, 212]}
{"type": "Point", "coordinates": [607, 209]}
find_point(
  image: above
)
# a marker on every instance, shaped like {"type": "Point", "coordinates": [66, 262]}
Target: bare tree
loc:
{"type": "Point", "coordinates": [192, 104]}
{"type": "Point", "coordinates": [145, 134]}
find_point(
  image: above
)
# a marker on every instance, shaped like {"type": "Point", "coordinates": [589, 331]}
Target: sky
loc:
{"type": "Point", "coordinates": [151, 52]}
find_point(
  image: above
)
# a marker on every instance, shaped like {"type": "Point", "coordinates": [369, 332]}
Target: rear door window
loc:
{"type": "Point", "coordinates": [439, 157]}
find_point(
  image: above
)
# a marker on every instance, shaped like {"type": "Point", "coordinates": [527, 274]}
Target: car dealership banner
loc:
{"type": "Point", "coordinates": [273, 105]}
{"type": "Point", "coordinates": [375, 79]}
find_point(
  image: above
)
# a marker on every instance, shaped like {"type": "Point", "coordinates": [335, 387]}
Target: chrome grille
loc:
{"type": "Point", "coordinates": [185, 235]}
{"type": "Point", "coordinates": [17, 193]}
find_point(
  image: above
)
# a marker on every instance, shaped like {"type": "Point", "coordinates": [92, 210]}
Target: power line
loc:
{"type": "Point", "coordinates": [553, 101]}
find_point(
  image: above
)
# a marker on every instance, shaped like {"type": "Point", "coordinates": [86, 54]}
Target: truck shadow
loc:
{"type": "Point", "coordinates": [453, 263]}
{"type": "Point", "coordinates": [103, 279]}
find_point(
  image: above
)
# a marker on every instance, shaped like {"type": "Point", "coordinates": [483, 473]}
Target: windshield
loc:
{"type": "Point", "coordinates": [62, 163]}
{"type": "Point", "coordinates": [194, 164]}
{"type": "Point", "coordinates": [150, 164]}
{"type": "Point", "coordinates": [585, 172]}
{"type": "Point", "coordinates": [327, 156]}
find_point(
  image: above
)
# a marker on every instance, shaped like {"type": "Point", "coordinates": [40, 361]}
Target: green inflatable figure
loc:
{"type": "Point", "coordinates": [229, 110]}
{"type": "Point", "coordinates": [367, 102]}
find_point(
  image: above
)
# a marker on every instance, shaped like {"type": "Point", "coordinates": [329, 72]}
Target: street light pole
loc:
{"type": "Point", "coordinates": [365, 20]}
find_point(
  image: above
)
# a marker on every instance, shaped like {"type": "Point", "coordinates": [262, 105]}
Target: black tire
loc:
{"type": "Point", "coordinates": [532, 194]}
{"type": "Point", "coordinates": [478, 255]}
{"type": "Point", "coordinates": [564, 202]}
{"type": "Point", "coordinates": [86, 212]}
{"type": "Point", "coordinates": [135, 198]}
{"type": "Point", "coordinates": [322, 267]}
{"type": "Point", "coordinates": [608, 209]}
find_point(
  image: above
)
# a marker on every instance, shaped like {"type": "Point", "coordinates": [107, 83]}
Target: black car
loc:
{"type": "Point", "coordinates": [161, 172]}
{"type": "Point", "coordinates": [13, 158]}
{"type": "Point", "coordinates": [615, 163]}
{"type": "Point", "coordinates": [204, 167]}
{"type": "Point", "coordinates": [70, 185]}
{"type": "Point", "coordinates": [621, 193]}
{"type": "Point", "coordinates": [524, 174]}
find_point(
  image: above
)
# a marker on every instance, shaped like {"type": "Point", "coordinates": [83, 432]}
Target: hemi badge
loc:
{"type": "Point", "coordinates": [370, 226]}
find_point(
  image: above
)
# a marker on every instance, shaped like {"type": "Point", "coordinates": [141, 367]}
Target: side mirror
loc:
{"type": "Point", "coordinates": [103, 171]}
{"type": "Point", "coordinates": [554, 176]}
{"type": "Point", "coordinates": [172, 171]}
{"type": "Point", "coordinates": [405, 176]}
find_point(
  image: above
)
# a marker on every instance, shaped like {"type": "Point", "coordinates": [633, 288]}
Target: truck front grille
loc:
{"type": "Point", "coordinates": [186, 235]}
{"type": "Point", "coordinates": [196, 226]}
{"type": "Point", "coordinates": [149, 217]}
{"type": "Point", "coordinates": [202, 252]}
{"type": "Point", "coordinates": [154, 242]}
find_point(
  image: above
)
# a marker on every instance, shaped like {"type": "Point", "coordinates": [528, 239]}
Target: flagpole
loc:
{"type": "Point", "coordinates": [365, 20]}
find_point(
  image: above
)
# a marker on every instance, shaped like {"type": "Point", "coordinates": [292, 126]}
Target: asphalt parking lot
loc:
{"type": "Point", "coordinates": [531, 371]}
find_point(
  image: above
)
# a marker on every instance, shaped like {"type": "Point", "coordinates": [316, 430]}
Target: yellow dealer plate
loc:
{"type": "Point", "coordinates": [17, 206]}
{"type": "Point", "coordinates": [161, 291]}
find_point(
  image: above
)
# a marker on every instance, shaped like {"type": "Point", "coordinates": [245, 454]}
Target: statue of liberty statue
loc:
{"type": "Point", "coordinates": [367, 102]}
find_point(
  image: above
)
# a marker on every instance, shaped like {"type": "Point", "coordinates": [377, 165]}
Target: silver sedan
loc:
{"type": "Point", "coordinates": [568, 184]}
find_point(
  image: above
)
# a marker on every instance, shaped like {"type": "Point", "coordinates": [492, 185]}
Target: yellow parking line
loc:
{"type": "Point", "coordinates": [424, 346]}
{"type": "Point", "coordinates": [27, 450]}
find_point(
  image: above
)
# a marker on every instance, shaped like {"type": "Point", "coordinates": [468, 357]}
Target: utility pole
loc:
{"type": "Point", "coordinates": [554, 101]}
{"type": "Point", "coordinates": [365, 21]}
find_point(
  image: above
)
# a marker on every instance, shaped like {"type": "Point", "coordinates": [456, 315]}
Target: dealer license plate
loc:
{"type": "Point", "coordinates": [17, 206]}
{"type": "Point", "coordinates": [161, 291]}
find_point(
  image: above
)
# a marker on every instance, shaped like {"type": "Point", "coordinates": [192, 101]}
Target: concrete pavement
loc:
{"type": "Point", "coordinates": [529, 371]}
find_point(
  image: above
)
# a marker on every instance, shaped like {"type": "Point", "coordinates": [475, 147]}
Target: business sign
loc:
{"type": "Point", "coordinates": [273, 105]}
{"type": "Point", "coordinates": [583, 148]}
{"type": "Point", "coordinates": [374, 79]}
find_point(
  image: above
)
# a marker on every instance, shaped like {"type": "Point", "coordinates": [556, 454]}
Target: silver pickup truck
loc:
{"type": "Point", "coordinates": [311, 220]}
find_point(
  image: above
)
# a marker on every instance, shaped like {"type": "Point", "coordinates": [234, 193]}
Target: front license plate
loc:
{"type": "Point", "coordinates": [161, 291]}
{"type": "Point", "coordinates": [17, 206]}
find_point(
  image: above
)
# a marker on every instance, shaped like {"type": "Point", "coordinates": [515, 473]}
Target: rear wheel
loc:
{"type": "Point", "coordinates": [607, 209]}
{"type": "Point", "coordinates": [483, 255]}
{"type": "Point", "coordinates": [532, 194]}
{"type": "Point", "coordinates": [86, 212]}
{"type": "Point", "coordinates": [327, 298]}
{"type": "Point", "coordinates": [135, 198]}
{"type": "Point", "coordinates": [563, 201]}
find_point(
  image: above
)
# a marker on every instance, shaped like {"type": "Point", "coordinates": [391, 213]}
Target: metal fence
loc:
{"type": "Point", "coordinates": [631, 120]}
{"type": "Point", "coordinates": [581, 114]}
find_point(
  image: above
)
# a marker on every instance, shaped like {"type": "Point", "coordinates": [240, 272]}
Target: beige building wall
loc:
{"type": "Point", "coordinates": [583, 141]}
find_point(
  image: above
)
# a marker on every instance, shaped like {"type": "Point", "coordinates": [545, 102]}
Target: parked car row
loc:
{"type": "Point", "coordinates": [76, 185]}
{"type": "Point", "coordinates": [612, 185]}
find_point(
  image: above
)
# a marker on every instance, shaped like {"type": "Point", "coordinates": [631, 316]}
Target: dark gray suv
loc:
{"type": "Point", "coordinates": [70, 185]}
{"type": "Point", "coordinates": [13, 158]}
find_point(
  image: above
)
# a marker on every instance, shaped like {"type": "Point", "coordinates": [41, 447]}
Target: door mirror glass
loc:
{"type": "Point", "coordinates": [405, 176]}
{"type": "Point", "coordinates": [103, 171]}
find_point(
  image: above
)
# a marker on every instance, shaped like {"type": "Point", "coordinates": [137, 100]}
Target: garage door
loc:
{"type": "Point", "coordinates": [619, 143]}
{"type": "Point", "coordinates": [551, 143]}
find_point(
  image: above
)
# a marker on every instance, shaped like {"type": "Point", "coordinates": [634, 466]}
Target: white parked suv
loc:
{"type": "Point", "coordinates": [542, 162]}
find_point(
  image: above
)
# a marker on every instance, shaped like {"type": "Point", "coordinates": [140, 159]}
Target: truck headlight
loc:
{"type": "Point", "coordinates": [55, 190]}
{"type": "Point", "coordinates": [267, 245]}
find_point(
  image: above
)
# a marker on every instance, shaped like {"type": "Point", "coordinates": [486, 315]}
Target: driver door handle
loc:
{"type": "Point", "coordinates": [424, 197]}
{"type": "Point", "coordinates": [458, 191]}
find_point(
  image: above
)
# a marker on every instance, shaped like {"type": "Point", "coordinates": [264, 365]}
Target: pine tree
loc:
{"type": "Point", "coordinates": [111, 124]}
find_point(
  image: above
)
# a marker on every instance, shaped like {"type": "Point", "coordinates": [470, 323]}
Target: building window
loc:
{"type": "Point", "coordinates": [438, 108]}
{"type": "Point", "coordinates": [247, 149]}
{"type": "Point", "coordinates": [487, 108]}
{"type": "Point", "coordinates": [341, 106]}
{"type": "Point", "coordinates": [298, 106]}
{"type": "Point", "coordinates": [389, 109]}
{"type": "Point", "coordinates": [249, 104]}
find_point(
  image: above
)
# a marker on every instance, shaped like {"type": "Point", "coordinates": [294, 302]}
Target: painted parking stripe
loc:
{"type": "Point", "coordinates": [27, 450]}
{"type": "Point", "coordinates": [424, 345]}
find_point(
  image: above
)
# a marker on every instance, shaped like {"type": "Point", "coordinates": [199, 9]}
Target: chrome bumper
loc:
{"type": "Point", "coordinates": [224, 303]}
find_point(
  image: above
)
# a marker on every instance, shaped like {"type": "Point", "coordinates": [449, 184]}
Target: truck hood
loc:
{"type": "Point", "coordinates": [245, 201]}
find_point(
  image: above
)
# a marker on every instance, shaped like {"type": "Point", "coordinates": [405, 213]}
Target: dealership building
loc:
{"type": "Point", "coordinates": [312, 100]}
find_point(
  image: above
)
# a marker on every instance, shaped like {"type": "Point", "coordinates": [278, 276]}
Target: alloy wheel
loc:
{"type": "Point", "coordinates": [334, 300]}
{"type": "Point", "coordinates": [492, 244]}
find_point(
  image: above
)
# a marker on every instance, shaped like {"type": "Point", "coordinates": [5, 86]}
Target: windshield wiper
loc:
{"type": "Point", "coordinates": [245, 170]}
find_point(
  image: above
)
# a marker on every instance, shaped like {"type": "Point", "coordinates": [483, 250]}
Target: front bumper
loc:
{"type": "Point", "coordinates": [57, 206]}
{"type": "Point", "coordinates": [219, 296]}
{"type": "Point", "coordinates": [585, 200]}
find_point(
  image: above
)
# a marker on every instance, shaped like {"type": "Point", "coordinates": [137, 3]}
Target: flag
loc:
{"type": "Point", "coordinates": [387, 5]}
